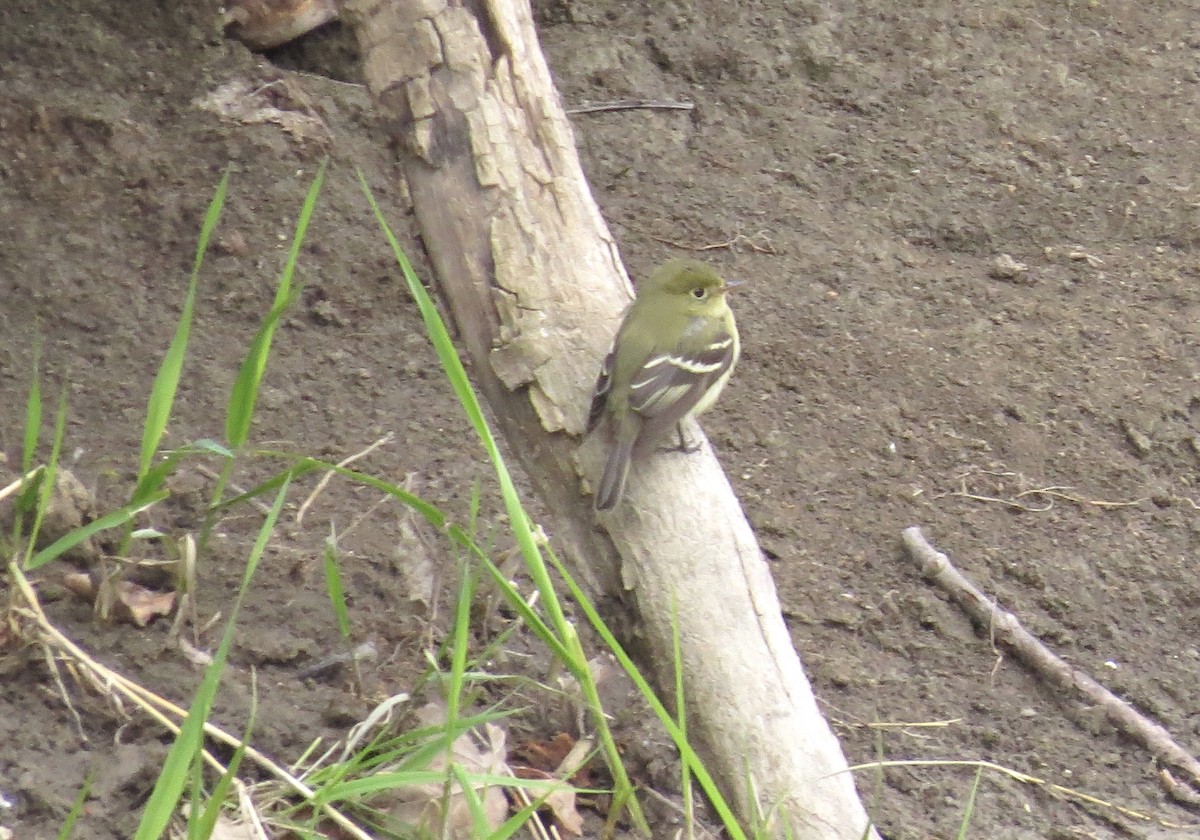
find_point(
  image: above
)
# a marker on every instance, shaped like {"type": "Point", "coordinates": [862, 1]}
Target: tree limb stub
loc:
{"type": "Point", "coordinates": [535, 284]}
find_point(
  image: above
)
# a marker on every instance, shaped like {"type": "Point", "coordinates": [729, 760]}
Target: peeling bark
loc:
{"type": "Point", "coordinates": [536, 287]}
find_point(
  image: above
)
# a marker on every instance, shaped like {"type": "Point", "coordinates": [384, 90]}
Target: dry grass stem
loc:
{"type": "Point", "coordinates": [329, 474]}
{"type": "Point", "coordinates": [113, 683]}
{"type": "Point", "coordinates": [13, 487]}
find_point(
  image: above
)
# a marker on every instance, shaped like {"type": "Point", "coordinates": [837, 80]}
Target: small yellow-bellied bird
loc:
{"type": "Point", "coordinates": [673, 353]}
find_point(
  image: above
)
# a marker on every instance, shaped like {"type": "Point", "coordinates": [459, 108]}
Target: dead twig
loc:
{"type": "Point", "coordinates": [728, 245]}
{"type": "Point", "coordinates": [842, 718]}
{"type": "Point", "coordinates": [1178, 790]}
{"type": "Point", "coordinates": [345, 462]}
{"type": "Point", "coordinates": [1016, 502]}
{"type": "Point", "coordinates": [1064, 494]}
{"type": "Point", "coordinates": [1011, 503]}
{"type": "Point", "coordinates": [631, 105]}
{"type": "Point", "coordinates": [1007, 631]}
{"type": "Point", "coordinates": [66, 696]}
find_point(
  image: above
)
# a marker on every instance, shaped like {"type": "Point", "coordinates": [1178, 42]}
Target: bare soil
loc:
{"type": "Point", "coordinates": [972, 235]}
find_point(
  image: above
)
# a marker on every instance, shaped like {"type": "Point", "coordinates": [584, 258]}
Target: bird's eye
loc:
{"type": "Point", "coordinates": [699, 293]}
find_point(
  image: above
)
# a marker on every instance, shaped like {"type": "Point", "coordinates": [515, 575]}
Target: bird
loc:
{"type": "Point", "coordinates": [673, 354]}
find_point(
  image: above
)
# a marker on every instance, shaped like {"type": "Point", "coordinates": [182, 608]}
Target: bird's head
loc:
{"type": "Point", "coordinates": [694, 284]}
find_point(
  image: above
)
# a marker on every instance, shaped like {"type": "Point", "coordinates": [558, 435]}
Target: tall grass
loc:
{"type": "Point", "coordinates": [388, 759]}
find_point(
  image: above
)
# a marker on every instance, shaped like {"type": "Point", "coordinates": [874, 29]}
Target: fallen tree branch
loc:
{"type": "Point", "coordinates": [534, 283]}
{"type": "Point", "coordinates": [1007, 630]}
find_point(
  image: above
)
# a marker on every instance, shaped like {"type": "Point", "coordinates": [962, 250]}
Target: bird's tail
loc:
{"type": "Point", "coordinates": [616, 470]}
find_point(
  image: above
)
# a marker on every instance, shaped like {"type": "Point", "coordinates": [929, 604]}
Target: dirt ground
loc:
{"type": "Point", "coordinates": [972, 235]}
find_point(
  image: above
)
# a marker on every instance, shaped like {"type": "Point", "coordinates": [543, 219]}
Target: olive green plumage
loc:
{"type": "Point", "coordinates": [674, 352]}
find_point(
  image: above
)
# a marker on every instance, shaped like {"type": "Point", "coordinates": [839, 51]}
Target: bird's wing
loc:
{"type": "Point", "coordinates": [600, 394]}
{"type": "Point", "coordinates": [670, 385]}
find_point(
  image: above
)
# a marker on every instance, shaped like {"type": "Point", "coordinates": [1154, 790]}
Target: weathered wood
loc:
{"type": "Point", "coordinates": [521, 254]}
{"type": "Point", "coordinates": [536, 287]}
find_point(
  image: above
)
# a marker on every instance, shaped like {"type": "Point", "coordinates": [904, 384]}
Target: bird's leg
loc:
{"type": "Point", "coordinates": [683, 445]}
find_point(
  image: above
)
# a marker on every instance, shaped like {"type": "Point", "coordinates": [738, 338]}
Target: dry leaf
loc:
{"type": "Point", "coordinates": [545, 755]}
{"type": "Point", "coordinates": [139, 605]}
{"type": "Point", "coordinates": [227, 829]}
{"type": "Point", "coordinates": [415, 564]}
{"type": "Point", "coordinates": [421, 805]}
{"type": "Point", "coordinates": [550, 760]}
{"type": "Point", "coordinates": [556, 758]}
{"type": "Point", "coordinates": [132, 604]}
{"type": "Point", "coordinates": [562, 803]}
{"type": "Point", "coordinates": [278, 103]}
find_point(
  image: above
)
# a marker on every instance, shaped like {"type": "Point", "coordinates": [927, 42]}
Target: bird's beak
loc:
{"type": "Point", "coordinates": [730, 285]}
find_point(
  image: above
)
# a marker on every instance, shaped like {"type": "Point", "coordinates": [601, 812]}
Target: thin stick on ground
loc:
{"type": "Point", "coordinates": [1007, 630]}
{"type": "Point", "coordinates": [727, 245]}
{"type": "Point", "coordinates": [345, 462]}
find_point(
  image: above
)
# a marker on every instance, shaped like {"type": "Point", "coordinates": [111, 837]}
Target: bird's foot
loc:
{"type": "Point", "coordinates": [682, 443]}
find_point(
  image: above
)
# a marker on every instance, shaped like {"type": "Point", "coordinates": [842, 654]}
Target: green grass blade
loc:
{"type": "Point", "coordinates": [686, 753]}
{"type": "Point", "coordinates": [522, 529]}
{"type": "Point", "coordinates": [452, 365]}
{"type": "Point", "coordinates": [49, 482]}
{"type": "Point", "coordinates": [166, 382]}
{"type": "Point", "coordinates": [26, 500]}
{"type": "Point", "coordinates": [113, 519]}
{"type": "Point", "coordinates": [211, 446]}
{"type": "Point", "coordinates": [212, 811]}
{"type": "Point", "coordinates": [154, 479]}
{"type": "Point", "coordinates": [244, 396]}
{"type": "Point", "coordinates": [196, 778]}
{"type": "Point", "coordinates": [33, 413]}
{"type": "Point", "coordinates": [447, 355]}
{"type": "Point", "coordinates": [479, 818]}
{"type": "Point", "coordinates": [969, 810]}
{"type": "Point", "coordinates": [460, 645]}
{"type": "Point", "coordinates": [68, 826]}
{"type": "Point", "coordinates": [689, 811]}
{"type": "Point", "coordinates": [333, 585]}
{"type": "Point", "coordinates": [357, 789]}
{"type": "Point", "coordinates": [517, 821]}
{"type": "Point", "coordinates": [534, 621]}
{"type": "Point", "coordinates": [175, 771]}
{"type": "Point", "coordinates": [438, 519]}
{"type": "Point", "coordinates": [624, 796]}
{"type": "Point", "coordinates": [296, 469]}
